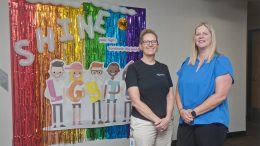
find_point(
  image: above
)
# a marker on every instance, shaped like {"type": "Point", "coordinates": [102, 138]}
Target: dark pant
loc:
{"type": "Point", "coordinates": [201, 135]}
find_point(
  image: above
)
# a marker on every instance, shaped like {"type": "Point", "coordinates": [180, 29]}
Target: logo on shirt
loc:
{"type": "Point", "coordinates": [159, 75]}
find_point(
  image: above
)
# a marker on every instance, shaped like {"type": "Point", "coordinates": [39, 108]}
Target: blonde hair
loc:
{"type": "Point", "coordinates": [213, 46]}
{"type": "Point", "coordinates": [147, 31]}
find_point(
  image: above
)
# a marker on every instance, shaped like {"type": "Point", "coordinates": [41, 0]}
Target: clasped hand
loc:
{"type": "Point", "coordinates": [186, 115]}
{"type": "Point", "coordinates": [162, 124]}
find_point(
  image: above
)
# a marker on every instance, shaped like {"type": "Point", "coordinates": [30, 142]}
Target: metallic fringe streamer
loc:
{"type": "Point", "coordinates": [95, 133]}
{"type": "Point", "coordinates": [31, 110]}
{"type": "Point", "coordinates": [46, 16]}
{"type": "Point", "coordinates": [95, 51]}
{"type": "Point", "coordinates": [136, 24]}
{"type": "Point", "coordinates": [120, 131]}
{"type": "Point", "coordinates": [113, 31]}
{"type": "Point", "coordinates": [71, 136]}
{"type": "Point", "coordinates": [26, 104]}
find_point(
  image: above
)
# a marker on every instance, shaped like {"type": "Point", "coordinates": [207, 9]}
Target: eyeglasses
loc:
{"type": "Point", "coordinates": [153, 42]}
{"type": "Point", "coordinates": [99, 72]}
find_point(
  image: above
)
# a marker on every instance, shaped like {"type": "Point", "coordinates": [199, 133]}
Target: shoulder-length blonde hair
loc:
{"type": "Point", "coordinates": [212, 47]}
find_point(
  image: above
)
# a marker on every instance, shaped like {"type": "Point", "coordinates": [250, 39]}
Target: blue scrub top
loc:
{"type": "Point", "coordinates": [196, 86]}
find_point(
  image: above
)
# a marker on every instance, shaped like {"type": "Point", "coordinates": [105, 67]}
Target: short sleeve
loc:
{"type": "Point", "coordinates": [223, 66]}
{"type": "Point", "coordinates": [131, 76]}
{"type": "Point", "coordinates": [179, 72]}
{"type": "Point", "coordinates": [169, 76]}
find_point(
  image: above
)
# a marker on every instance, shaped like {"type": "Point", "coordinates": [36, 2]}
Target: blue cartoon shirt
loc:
{"type": "Point", "coordinates": [196, 86]}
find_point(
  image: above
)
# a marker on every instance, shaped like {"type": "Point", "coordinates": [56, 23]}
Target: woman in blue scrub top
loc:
{"type": "Point", "coordinates": [204, 81]}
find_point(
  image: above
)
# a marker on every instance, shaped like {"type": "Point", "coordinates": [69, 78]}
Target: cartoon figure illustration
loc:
{"type": "Point", "coordinates": [127, 98]}
{"type": "Point", "coordinates": [55, 90]}
{"type": "Point", "coordinates": [113, 87]}
{"type": "Point", "coordinates": [76, 89]}
{"type": "Point", "coordinates": [93, 89]}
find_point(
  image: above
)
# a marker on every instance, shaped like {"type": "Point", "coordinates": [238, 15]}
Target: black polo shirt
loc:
{"type": "Point", "coordinates": [153, 82]}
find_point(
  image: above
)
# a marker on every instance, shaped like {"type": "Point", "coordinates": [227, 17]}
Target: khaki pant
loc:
{"type": "Point", "coordinates": [145, 133]}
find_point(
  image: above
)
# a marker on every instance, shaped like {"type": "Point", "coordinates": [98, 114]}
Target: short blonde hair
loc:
{"type": "Point", "coordinates": [146, 31]}
{"type": "Point", "coordinates": [213, 46]}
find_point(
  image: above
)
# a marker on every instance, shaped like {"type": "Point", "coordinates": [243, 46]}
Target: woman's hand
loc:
{"type": "Point", "coordinates": [186, 115]}
{"type": "Point", "coordinates": [163, 125]}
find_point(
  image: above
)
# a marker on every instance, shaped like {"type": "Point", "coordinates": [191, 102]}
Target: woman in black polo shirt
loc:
{"type": "Point", "coordinates": [150, 88]}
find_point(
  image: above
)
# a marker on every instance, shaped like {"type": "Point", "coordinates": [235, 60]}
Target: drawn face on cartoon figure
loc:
{"type": "Point", "coordinates": [96, 71]}
{"type": "Point", "coordinates": [57, 72]}
{"type": "Point", "coordinates": [113, 70]}
{"type": "Point", "coordinates": [77, 74]}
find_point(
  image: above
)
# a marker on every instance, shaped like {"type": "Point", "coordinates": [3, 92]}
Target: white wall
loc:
{"type": "Point", "coordinates": [5, 65]}
{"type": "Point", "coordinates": [174, 21]}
